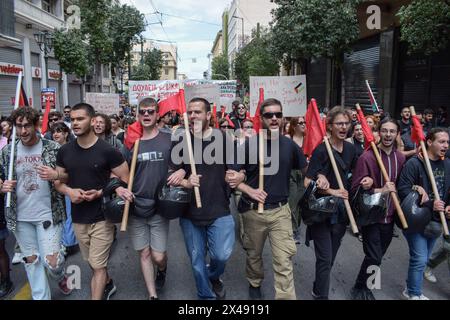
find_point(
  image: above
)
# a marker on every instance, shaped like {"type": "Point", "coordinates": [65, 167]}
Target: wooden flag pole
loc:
{"type": "Point", "coordinates": [432, 180]}
{"type": "Point", "coordinates": [341, 185]}
{"type": "Point", "coordinates": [198, 200]}
{"type": "Point", "coordinates": [386, 178]}
{"type": "Point", "coordinates": [261, 167]}
{"type": "Point", "coordinates": [123, 226]}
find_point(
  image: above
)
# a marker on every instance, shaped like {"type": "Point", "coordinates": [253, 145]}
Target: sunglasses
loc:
{"type": "Point", "coordinates": [143, 112]}
{"type": "Point", "coordinates": [226, 127]}
{"type": "Point", "coordinates": [302, 123]}
{"type": "Point", "coordinates": [53, 119]}
{"type": "Point", "coordinates": [269, 115]}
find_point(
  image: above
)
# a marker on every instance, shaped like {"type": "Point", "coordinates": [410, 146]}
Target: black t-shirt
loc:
{"type": "Point", "coordinates": [88, 169]}
{"type": "Point", "coordinates": [438, 169]}
{"type": "Point", "coordinates": [214, 191]}
{"type": "Point", "coordinates": [405, 127]}
{"type": "Point", "coordinates": [276, 177]}
{"type": "Point", "coordinates": [359, 147]}
{"type": "Point", "coordinates": [345, 160]}
{"type": "Point", "coordinates": [152, 164]}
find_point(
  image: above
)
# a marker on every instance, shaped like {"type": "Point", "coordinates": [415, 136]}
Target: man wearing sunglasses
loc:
{"type": "Point", "coordinates": [275, 221]}
{"type": "Point", "coordinates": [54, 117]}
{"type": "Point", "coordinates": [239, 113]}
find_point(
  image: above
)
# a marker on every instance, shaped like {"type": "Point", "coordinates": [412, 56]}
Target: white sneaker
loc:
{"type": "Point", "coordinates": [407, 296]}
{"type": "Point", "coordinates": [428, 274]}
{"type": "Point", "coordinates": [17, 258]}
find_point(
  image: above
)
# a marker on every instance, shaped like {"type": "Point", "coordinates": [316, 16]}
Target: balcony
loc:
{"type": "Point", "coordinates": [27, 12]}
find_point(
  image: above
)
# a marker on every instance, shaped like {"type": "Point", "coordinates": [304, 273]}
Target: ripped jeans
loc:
{"type": "Point", "coordinates": [34, 240]}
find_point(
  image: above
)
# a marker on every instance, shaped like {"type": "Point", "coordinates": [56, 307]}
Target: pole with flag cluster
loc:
{"type": "Point", "coordinates": [258, 128]}
{"type": "Point", "coordinates": [370, 139]}
{"type": "Point", "coordinates": [13, 139]}
{"type": "Point", "coordinates": [418, 137]}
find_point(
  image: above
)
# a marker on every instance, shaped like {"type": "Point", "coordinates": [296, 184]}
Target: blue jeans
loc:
{"type": "Point", "coordinates": [420, 248]}
{"type": "Point", "coordinates": [68, 237]}
{"type": "Point", "coordinates": [218, 239]}
{"type": "Point", "coordinates": [34, 240]}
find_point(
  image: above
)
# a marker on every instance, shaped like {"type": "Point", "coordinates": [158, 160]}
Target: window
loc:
{"type": "Point", "coordinates": [49, 6]}
{"type": "Point", "coordinates": [166, 71]}
{"type": "Point", "coordinates": [166, 63]}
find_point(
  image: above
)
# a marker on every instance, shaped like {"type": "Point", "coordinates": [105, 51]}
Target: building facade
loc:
{"type": "Point", "coordinates": [243, 17]}
{"type": "Point", "coordinates": [19, 51]}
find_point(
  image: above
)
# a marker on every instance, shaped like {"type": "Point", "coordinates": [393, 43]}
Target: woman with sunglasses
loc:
{"type": "Point", "coordinates": [296, 132]}
{"type": "Point", "coordinates": [327, 235]}
{"type": "Point", "coordinates": [60, 133]}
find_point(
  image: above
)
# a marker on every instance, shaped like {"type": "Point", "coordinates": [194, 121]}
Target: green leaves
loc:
{"type": "Point", "coordinates": [151, 67]}
{"type": "Point", "coordinates": [256, 59]}
{"type": "Point", "coordinates": [220, 67]}
{"type": "Point", "coordinates": [313, 28]}
{"type": "Point", "coordinates": [71, 52]}
{"type": "Point", "coordinates": [425, 25]}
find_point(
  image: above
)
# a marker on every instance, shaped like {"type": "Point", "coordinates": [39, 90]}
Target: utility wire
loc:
{"type": "Point", "coordinates": [185, 18]}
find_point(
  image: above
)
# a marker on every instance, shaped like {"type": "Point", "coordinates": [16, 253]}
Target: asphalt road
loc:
{"type": "Point", "coordinates": [125, 270]}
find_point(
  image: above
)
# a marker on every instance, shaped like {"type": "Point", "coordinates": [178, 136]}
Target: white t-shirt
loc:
{"type": "Point", "coordinates": [33, 193]}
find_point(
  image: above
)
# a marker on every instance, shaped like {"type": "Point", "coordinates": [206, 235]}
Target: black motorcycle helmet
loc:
{"type": "Point", "coordinates": [416, 216]}
{"type": "Point", "coordinates": [112, 205]}
{"type": "Point", "coordinates": [172, 202]}
{"type": "Point", "coordinates": [316, 210]}
{"type": "Point", "coordinates": [369, 208]}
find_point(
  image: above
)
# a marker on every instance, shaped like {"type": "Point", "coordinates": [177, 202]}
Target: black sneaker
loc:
{"type": "Point", "coordinates": [218, 288]}
{"type": "Point", "coordinates": [160, 279]}
{"type": "Point", "coordinates": [110, 289]}
{"type": "Point", "coordinates": [254, 293]}
{"type": "Point", "coordinates": [154, 298]}
{"type": "Point", "coordinates": [6, 287]}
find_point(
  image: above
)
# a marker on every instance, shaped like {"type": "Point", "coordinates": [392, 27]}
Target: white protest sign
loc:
{"type": "Point", "coordinates": [107, 103]}
{"type": "Point", "coordinates": [290, 91]}
{"type": "Point", "coordinates": [156, 89]}
{"type": "Point", "coordinates": [227, 93]}
{"type": "Point", "coordinates": [208, 91]}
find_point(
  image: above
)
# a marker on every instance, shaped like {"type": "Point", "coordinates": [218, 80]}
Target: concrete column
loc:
{"type": "Point", "coordinates": [65, 88]}
{"type": "Point", "coordinates": [44, 75]}
{"type": "Point", "coordinates": [27, 79]}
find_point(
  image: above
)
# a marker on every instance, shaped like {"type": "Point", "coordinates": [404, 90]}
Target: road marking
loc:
{"type": "Point", "coordinates": [24, 293]}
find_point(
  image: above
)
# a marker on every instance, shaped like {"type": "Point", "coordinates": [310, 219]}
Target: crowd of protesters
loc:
{"type": "Point", "coordinates": [59, 178]}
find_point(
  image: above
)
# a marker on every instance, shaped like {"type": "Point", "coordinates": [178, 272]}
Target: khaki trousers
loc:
{"type": "Point", "coordinates": [277, 225]}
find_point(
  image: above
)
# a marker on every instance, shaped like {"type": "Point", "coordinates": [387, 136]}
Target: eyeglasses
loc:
{"type": "Point", "coordinates": [53, 119]}
{"type": "Point", "coordinates": [142, 112]}
{"type": "Point", "coordinates": [301, 123]}
{"type": "Point", "coordinates": [269, 115]}
{"type": "Point", "coordinates": [225, 127]}
{"type": "Point", "coordinates": [386, 131]}
{"type": "Point", "coordinates": [248, 127]}
{"type": "Point", "coordinates": [26, 126]}
{"type": "Point", "coordinates": [342, 124]}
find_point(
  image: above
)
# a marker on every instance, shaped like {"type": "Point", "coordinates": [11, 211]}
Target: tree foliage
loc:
{"type": "Point", "coordinates": [255, 59]}
{"type": "Point", "coordinates": [220, 67]}
{"type": "Point", "coordinates": [425, 25]}
{"type": "Point", "coordinates": [313, 28]}
{"type": "Point", "coordinates": [71, 52]}
{"type": "Point", "coordinates": [125, 23]}
{"type": "Point", "coordinates": [151, 67]}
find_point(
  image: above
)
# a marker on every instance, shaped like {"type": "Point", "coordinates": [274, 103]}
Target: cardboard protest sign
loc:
{"type": "Point", "coordinates": [107, 103]}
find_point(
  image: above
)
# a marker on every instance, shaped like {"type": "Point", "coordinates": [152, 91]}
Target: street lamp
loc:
{"type": "Point", "coordinates": [45, 41]}
{"type": "Point", "coordinates": [242, 40]}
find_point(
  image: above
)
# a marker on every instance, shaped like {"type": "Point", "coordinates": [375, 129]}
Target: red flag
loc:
{"type": "Point", "coordinates": [257, 118]}
{"type": "Point", "coordinates": [417, 131]}
{"type": "Point", "coordinates": [229, 121]}
{"type": "Point", "coordinates": [169, 104]}
{"type": "Point", "coordinates": [314, 128]}
{"type": "Point", "coordinates": [368, 135]}
{"type": "Point", "coordinates": [134, 132]}
{"type": "Point", "coordinates": [45, 127]}
{"type": "Point", "coordinates": [23, 101]}
{"type": "Point", "coordinates": [247, 115]}
{"type": "Point", "coordinates": [182, 102]}
{"type": "Point", "coordinates": [216, 123]}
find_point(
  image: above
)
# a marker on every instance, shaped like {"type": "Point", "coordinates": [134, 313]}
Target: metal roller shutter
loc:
{"type": "Point", "coordinates": [316, 80]}
{"type": "Point", "coordinates": [10, 55]}
{"type": "Point", "coordinates": [74, 94]}
{"type": "Point", "coordinates": [7, 90]}
{"type": "Point", "coordinates": [37, 94]}
{"type": "Point", "coordinates": [361, 65]}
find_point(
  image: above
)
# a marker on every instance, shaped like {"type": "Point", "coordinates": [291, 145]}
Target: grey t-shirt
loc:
{"type": "Point", "coordinates": [152, 164]}
{"type": "Point", "coordinates": [33, 193]}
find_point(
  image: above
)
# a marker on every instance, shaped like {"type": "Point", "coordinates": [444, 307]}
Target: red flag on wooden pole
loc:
{"type": "Point", "coordinates": [314, 128]}
{"type": "Point", "coordinates": [257, 118]}
{"type": "Point", "coordinates": [45, 118]}
{"type": "Point", "coordinates": [417, 130]}
{"type": "Point", "coordinates": [368, 134]}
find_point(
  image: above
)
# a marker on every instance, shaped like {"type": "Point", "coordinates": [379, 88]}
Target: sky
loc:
{"type": "Point", "coordinates": [194, 40]}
